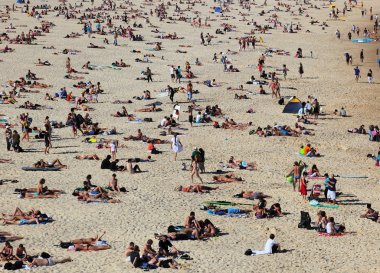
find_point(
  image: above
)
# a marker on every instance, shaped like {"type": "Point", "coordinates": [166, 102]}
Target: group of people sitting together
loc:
{"type": "Point", "coordinates": [90, 193]}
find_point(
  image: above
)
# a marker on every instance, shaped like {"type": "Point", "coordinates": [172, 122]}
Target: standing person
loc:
{"type": "Point", "coordinates": [8, 137]}
{"type": "Point", "coordinates": [115, 38]}
{"type": "Point", "coordinates": [202, 39]}
{"type": "Point", "coordinates": [357, 73]}
{"type": "Point", "coordinates": [47, 139]}
{"type": "Point", "coordinates": [202, 160]}
{"type": "Point", "coordinates": [176, 145]}
{"type": "Point", "coordinates": [278, 88]}
{"type": "Point", "coordinates": [331, 192]}
{"type": "Point", "coordinates": [189, 89]}
{"type": "Point", "coordinates": [195, 171]}
{"type": "Point", "coordinates": [171, 93]}
{"type": "Point", "coordinates": [369, 75]}
{"type": "Point", "coordinates": [284, 71]}
{"type": "Point", "coordinates": [327, 179]}
{"type": "Point", "coordinates": [26, 125]}
{"type": "Point", "coordinates": [300, 70]}
{"type": "Point", "coordinates": [362, 55]}
{"type": "Point", "coordinates": [149, 74]}
{"type": "Point", "coordinates": [303, 186]}
{"type": "Point", "coordinates": [178, 74]}
{"type": "Point", "coordinates": [68, 65]}
{"type": "Point", "coordinates": [172, 73]}
{"type": "Point", "coordinates": [296, 172]}
{"type": "Point", "coordinates": [49, 130]}
{"type": "Point", "coordinates": [191, 117]}
{"type": "Point", "coordinates": [113, 149]}
{"type": "Point", "coordinates": [16, 141]}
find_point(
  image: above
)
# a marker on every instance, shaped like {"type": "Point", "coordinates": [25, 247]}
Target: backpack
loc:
{"type": "Point", "coordinates": [305, 220]}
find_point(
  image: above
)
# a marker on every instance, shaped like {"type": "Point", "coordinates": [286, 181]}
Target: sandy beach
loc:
{"type": "Point", "coordinates": [151, 204]}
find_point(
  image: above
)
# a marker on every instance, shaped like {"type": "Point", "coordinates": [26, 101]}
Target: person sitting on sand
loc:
{"type": "Point", "coordinates": [271, 247]}
{"type": "Point", "coordinates": [139, 136]}
{"type": "Point", "coordinates": [333, 228]}
{"type": "Point", "coordinates": [166, 248]}
{"type": "Point", "coordinates": [21, 254]}
{"type": "Point", "coordinates": [6, 253]}
{"type": "Point", "coordinates": [132, 169]}
{"type": "Point", "coordinates": [195, 188]}
{"type": "Point", "coordinates": [227, 178]}
{"type": "Point", "coordinates": [54, 164]}
{"type": "Point", "coordinates": [370, 213]}
{"type": "Point", "coordinates": [314, 172]}
{"type": "Point", "coordinates": [123, 113]}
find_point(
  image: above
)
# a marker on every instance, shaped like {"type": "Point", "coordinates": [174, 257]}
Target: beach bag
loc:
{"type": "Point", "coordinates": [377, 163]}
{"type": "Point", "coordinates": [305, 220]}
{"type": "Point", "coordinates": [148, 119]}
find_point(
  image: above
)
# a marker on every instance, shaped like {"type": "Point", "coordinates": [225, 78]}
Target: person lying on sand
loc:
{"type": "Point", "coordinates": [89, 157]}
{"type": "Point", "coordinates": [43, 63]}
{"type": "Point", "coordinates": [91, 45]}
{"type": "Point", "coordinates": [87, 241]}
{"type": "Point", "coordinates": [195, 188]}
{"type": "Point", "coordinates": [97, 194]}
{"type": "Point", "coordinates": [149, 109]}
{"type": "Point", "coordinates": [241, 97]}
{"type": "Point", "coordinates": [54, 164]}
{"type": "Point", "coordinates": [9, 237]}
{"type": "Point", "coordinates": [238, 164]}
{"type": "Point", "coordinates": [227, 178]}
{"type": "Point", "coordinates": [120, 64]}
{"type": "Point", "coordinates": [251, 195]}
{"type": "Point", "coordinates": [37, 262]}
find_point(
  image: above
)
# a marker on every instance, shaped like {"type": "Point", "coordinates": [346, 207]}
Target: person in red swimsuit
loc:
{"type": "Point", "coordinates": [303, 185]}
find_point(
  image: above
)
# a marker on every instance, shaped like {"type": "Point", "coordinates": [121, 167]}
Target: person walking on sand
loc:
{"type": "Point", "coordinates": [8, 137]}
{"type": "Point", "coordinates": [362, 55]}
{"type": "Point", "coordinates": [149, 74]}
{"type": "Point", "coordinates": [357, 73]}
{"type": "Point", "coordinates": [300, 70]}
{"type": "Point", "coordinates": [370, 76]}
{"type": "Point", "coordinates": [195, 171]}
{"type": "Point", "coordinates": [176, 145]}
{"type": "Point", "coordinates": [113, 149]}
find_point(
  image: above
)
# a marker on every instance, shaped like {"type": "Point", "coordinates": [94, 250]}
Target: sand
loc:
{"type": "Point", "coordinates": [151, 205]}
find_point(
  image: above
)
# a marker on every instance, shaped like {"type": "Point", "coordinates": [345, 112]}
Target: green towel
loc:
{"type": "Point", "coordinates": [326, 206]}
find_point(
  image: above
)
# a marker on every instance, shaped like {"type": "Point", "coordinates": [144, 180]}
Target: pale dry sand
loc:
{"type": "Point", "coordinates": [153, 205]}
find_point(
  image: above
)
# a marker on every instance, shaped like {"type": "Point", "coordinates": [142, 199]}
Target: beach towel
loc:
{"type": "Point", "coordinates": [135, 121]}
{"type": "Point", "coordinates": [353, 176]}
{"type": "Point", "coordinates": [39, 169]}
{"type": "Point", "coordinates": [331, 235]}
{"type": "Point", "coordinates": [315, 203]}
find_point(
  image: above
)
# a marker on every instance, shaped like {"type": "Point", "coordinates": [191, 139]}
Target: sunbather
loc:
{"type": "Point", "coordinates": [195, 188]}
